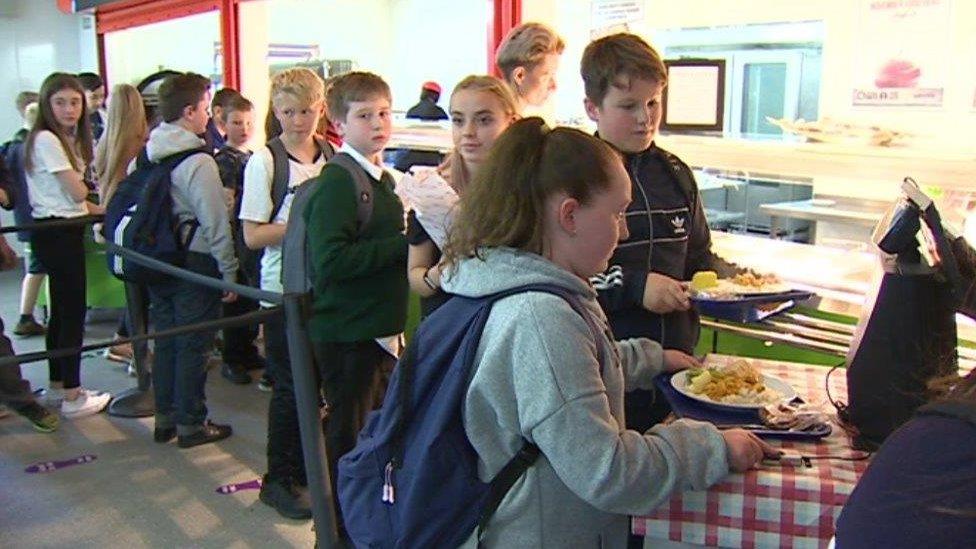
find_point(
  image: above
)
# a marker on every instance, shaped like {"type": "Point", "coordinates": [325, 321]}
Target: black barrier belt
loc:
{"type": "Point", "coordinates": [162, 266]}
{"type": "Point", "coordinates": [54, 223]}
{"type": "Point", "coordinates": [203, 280]}
{"type": "Point", "coordinates": [241, 320]}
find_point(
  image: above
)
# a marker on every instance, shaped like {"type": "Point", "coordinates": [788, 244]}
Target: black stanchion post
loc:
{"type": "Point", "coordinates": [138, 401]}
{"type": "Point", "coordinates": [310, 421]}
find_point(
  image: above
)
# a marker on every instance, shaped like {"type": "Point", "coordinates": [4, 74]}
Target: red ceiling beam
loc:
{"type": "Point", "coordinates": [133, 13]}
{"type": "Point", "coordinates": [506, 15]}
{"type": "Point", "coordinates": [125, 14]}
{"type": "Point", "coordinates": [230, 37]}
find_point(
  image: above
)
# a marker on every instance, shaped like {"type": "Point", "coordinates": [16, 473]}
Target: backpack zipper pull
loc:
{"type": "Point", "coordinates": [388, 483]}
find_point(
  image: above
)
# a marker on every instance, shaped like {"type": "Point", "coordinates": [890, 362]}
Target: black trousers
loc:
{"type": "Point", "coordinates": [62, 253]}
{"type": "Point", "coordinates": [286, 464]}
{"type": "Point", "coordinates": [239, 345]}
{"type": "Point", "coordinates": [351, 374]}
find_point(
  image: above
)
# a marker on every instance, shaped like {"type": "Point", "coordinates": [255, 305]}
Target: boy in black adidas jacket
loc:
{"type": "Point", "coordinates": [644, 292]}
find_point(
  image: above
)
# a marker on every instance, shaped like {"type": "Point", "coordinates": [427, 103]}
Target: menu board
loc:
{"type": "Point", "coordinates": [694, 98]}
{"type": "Point", "coordinates": [900, 60]}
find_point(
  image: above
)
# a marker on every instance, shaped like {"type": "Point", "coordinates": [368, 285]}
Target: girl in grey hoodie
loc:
{"type": "Point", "coordinates": [543, 375]}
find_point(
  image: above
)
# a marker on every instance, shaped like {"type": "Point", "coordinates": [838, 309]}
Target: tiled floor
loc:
{"type": "Point", "coordinates": [136, 493]}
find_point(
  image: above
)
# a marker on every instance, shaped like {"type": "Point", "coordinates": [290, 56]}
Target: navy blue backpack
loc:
{"type": "Point", "coordinates": [139, 217]}
{"type": "Point", "coordinates": [13, 158]}
{"type": "Point", "coordinates": [412, 479]}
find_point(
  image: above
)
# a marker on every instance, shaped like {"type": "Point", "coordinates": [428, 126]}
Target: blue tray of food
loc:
{"type": "Point", "coordinates": [749, 308]}
{"type": "Point", "coordinates": [727, 416]}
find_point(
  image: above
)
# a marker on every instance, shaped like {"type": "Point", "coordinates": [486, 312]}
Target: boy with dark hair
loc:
{"type": "Point", "coordinates": [643, 292]}
{"type": "Point", "coordinates": [358, 273]}
{"type": "Point", "coordinates": [95, 99]}
{"type": "Point", "coordinates": [238, 352]}
{"type": "Point", "coordinates": [179, 370]}
{"type": "Point", "coordinates": [215, 134]}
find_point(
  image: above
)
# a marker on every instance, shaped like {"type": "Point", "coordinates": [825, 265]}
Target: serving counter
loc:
{"type": "Point", "coordinates": [777, 504]}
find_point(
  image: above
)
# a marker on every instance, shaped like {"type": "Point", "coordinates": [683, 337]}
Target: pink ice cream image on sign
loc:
{"type": "Point", "coordinates": [898, 73]}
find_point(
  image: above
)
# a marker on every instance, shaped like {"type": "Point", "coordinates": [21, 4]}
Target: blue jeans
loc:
{"type": "Point", "coordinates": [180, 368]}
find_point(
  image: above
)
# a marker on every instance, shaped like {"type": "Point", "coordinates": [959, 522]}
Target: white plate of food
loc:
{"type": "Point", "coordinates": [735, 385]}
{"type": "Point", "coordinates": [707, 285]}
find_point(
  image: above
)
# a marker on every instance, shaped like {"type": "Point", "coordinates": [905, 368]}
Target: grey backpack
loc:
{"type": "Point", "coordinates": [296, 273]}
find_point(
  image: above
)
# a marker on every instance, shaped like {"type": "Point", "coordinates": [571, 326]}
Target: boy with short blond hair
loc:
{"type": "Point", "coordinates": [644, 292]}
{"type": "Point", "coordinates": [358, 273]}
{"type": "Point", "coordinates": [297, 100]}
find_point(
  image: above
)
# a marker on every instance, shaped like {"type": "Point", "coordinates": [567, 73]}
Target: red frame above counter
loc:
{"type": "Point", "coordinates": [116, 15]}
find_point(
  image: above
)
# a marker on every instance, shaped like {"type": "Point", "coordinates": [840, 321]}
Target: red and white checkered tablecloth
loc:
{"type": "Point", "coordinates": [776, 505]}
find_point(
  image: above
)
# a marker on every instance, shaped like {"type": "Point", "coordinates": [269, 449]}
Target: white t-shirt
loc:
{"type": "Point", "coordinates": [48, 197]}
{"type": "Point", "coordinates": [256, 204]}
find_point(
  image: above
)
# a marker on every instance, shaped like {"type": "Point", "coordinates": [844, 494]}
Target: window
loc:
{"type": "Point", "coordinates": [773, 70]}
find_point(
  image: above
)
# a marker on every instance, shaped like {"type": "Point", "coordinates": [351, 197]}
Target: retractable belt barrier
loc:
{"type": "Point", "coordinates": [307, 393]}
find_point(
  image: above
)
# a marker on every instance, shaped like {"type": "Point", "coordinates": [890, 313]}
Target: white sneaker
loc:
{"type": "Point", "coordinates": [88, 403]}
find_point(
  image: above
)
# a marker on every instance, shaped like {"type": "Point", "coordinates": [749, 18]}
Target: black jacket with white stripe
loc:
{"type": "Point", "coordinates": [668, 235]}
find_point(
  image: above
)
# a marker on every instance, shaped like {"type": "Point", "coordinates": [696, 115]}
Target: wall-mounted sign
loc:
{"type": "Point", "coordinates": [901, 53]}
{"type": "Point", "coordinates": [610, 16]}
{"type": "Point", "coordinates": [694, 98]}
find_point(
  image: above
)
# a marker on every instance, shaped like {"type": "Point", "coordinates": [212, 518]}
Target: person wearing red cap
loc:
{"type": "Point", "coordinates": [427, 109]}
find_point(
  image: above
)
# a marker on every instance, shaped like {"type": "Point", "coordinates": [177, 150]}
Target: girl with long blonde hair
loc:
{"type": "Point", "coordinates": [481, 108]}
{"type": "Point", "coordinates": [126, 131]}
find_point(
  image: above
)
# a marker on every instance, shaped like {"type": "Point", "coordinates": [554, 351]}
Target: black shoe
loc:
{"type": "Point", "coordinates": [29, 327]}
{"type": "Point", "coordinates": [266, 384]}
{"type": "Point", "coordinates": [254, 361]}
{"type": "Point", "coordinates": [40, 417]}
{"type": "Point", "coordinates": [164, 435]}
{"type": "Point", "coordinates": [209, 432]}
{"type": "Point", "coordinates": [235, 373]}
{"type": "Point", "coordinates": [285, 500]}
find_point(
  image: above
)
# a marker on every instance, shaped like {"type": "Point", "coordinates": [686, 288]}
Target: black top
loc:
{"type": "Point", "coordinates": [427, 110]}
{"type": "Point", "coordinates": [920, 490]}
{"type": "Point", "coordinates": [416, 235]}
{"type": "Point", "coordinates": [668, 235]}
{"type": "Point", "coordinates": [97, 126]}
{"type": "Point", "coordinates": [230, 163]}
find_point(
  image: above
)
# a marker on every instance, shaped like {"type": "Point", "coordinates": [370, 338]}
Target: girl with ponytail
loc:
{"type": "Point", "coordinates": [547, 208]}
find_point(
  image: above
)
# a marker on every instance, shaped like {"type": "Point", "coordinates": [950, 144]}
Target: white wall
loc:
{"type": "Point", "coordinates": [37, 39]}
{"type": "Point", "coordinates": [439, 40]}
{"type": "Point", "coordinates": [407, 42]}
{"type": "Point", "coordinates": [951, 126]}
{"type": "Point", "coordinates": [184, 44]}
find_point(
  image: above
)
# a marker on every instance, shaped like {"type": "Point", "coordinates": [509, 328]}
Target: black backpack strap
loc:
{"type": "Point", "coordinates": [280, 175]}
{"type": "Point", "coordinates": [364, 188]}
{"type": "Point", "coordinates": [529, 453]}
{"type": "Point", "coordinates": [142, 159]}
{"type": "Point", "coordinates": [328, 151]}
{"type": "Point", "coordinates": [504, 480]}
{"type": "Point", "coordinates": [171, 162]}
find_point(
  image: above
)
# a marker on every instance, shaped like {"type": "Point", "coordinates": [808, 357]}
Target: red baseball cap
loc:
{"type": "Point", "coordinates": [432, 86]}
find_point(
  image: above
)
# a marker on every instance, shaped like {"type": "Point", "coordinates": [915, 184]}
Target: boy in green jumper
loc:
{"type": "Point", "coordinates": [358, 274]}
